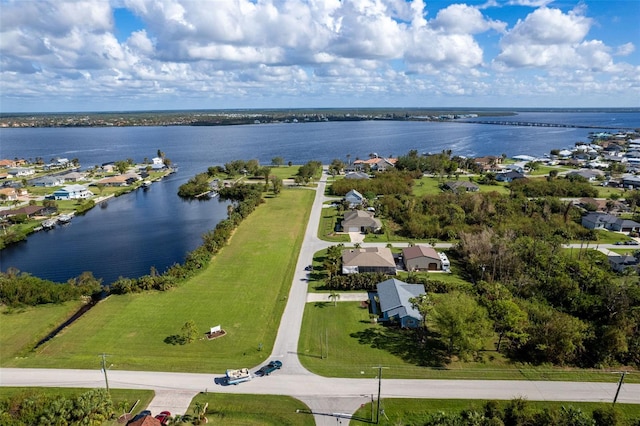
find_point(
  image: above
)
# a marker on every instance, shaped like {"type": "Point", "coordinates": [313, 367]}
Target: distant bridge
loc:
{"type": "Point", "coordinates": [536, 124]}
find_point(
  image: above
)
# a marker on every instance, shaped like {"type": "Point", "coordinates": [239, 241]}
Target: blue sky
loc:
{"type": "Point", "coordinates": [102, 55]}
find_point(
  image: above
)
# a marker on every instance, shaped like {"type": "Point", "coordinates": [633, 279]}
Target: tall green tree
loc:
{"type": "Point", "coordinates": [462, 323]}
{"type": "Point", "coordinates": [189, 331]}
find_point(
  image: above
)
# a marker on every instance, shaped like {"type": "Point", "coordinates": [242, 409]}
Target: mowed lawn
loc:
{"type": "Point", "coordinates": [23, 328]}
{"type": "Point", "coordinates": [242, 410]}
{"type": "Point", "coordinates": [243, 290]}
{"type": "Point", "coordinates": [409, 411]}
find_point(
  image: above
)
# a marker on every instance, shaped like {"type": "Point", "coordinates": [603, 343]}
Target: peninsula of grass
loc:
{"type": "Point", "coordinates": [410, 411]}
{"type": "Point", "coordinates": [243, 290]}
{"type": "Point", "coordinates": [341, 341]}
{"type": "Point", "coordinates": [235, 409]}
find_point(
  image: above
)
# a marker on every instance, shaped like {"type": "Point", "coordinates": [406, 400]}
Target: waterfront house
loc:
{"type": "Point", "coordinates": [354, 198]}
{"type": "Point", "coordinates": [73, 176]}
{"type": "Point", "coordinates": [30, 211]}
{"type": "Point", "coordinates": [360, 221]}
{"type": "Point", "coordinates": [21, 172]}
{"type": "Point", "coordinates": [157, 163]}
{"type": "Point", "coordinates": [369, 259]}
{"type": "Point", "coordinates": [393, 302]}
{"type": "Point", "coordinates": [375, 164]}
{"type": "Point", "coordinates": [488, 163]}
{"type": "Point", "coordinates": [424, 258]}
{"type": "Point", "coordinates": [6, 164]}
{"type": "Point", "coordinates": [72, 192]}
{"type": "Point", "coordinates": [48, 181]}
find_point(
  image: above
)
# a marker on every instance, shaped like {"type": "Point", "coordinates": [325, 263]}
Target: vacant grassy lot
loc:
{"type": "Point", "coordinates": [243, 290]}
{"type": "Point", "coordinates": [284, 172]}
{"type": "Point", "coordinates": [356, 346]}
{"type": "Point", "coordinates": [236, 410]}
{"type": "Point", "coordinates": [415, 411]}
{"type": "Point", "coordinates": [24, 327]}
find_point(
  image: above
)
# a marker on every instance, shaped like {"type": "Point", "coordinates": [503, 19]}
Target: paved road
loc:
{"type": "Point", "coordinates": [328, 398]}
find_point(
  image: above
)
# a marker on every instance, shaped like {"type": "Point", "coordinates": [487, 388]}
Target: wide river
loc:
{"type": "Point", "coordinates": [155, 228]}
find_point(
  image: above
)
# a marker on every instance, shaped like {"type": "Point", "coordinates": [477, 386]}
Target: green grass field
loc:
{"type": "Point", "coordinates": [255, 410]}
{"type": "Point", "coordinates": [415, 411]}
{"type": "Point", "coordinates": [241, 291]}
{"type": "Point", "coordinates": [326, 229]}
{"type": "Point", "coordinates": [284, 172]}
{"type": "Point", "coordinates": [356, 346]}
{"type": "Point", "coordinates": [22, 328]}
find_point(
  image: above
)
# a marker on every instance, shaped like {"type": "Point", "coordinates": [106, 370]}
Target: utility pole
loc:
{"type": "Point", "coordinates": [379, 391]}
{"type": "Point", "coordinates": [619, 386]}
{"type": "Point", "coordinates": [104, 370]}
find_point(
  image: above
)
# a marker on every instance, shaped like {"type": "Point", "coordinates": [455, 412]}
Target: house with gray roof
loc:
{"type": "Point", "coordinates": [369, 259]}
{"type": "Point", "coordinates": [393, 302]}
{"type": "Point", "coordinates": [360, 221]}
{"type": "Point", "coordinates": [621, 262]}
{"type": "Point", "coordinates": [598, 220]}
{"type": "Point", "coordinates": [357, 175]}
{"type": "Point", "coordinates": [354, 198]}
{"type": "Point", "coordinates": [587, 174]}
{"type": "Point", "coordinates": [631, 181]}
{"type": "Point", "coordinates": [509, 176]}
{"type": "Point", "coordinates": [48, 181]}
{"type": "Point", "coordinates": [460, 185]}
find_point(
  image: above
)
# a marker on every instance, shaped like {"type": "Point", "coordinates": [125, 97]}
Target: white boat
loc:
{"type": "Point", "coordinates": [49, 224]}
{"type": "Point", "coordinates": [65, 218]}
{"type": "Point", "coordinates": [146, 184]}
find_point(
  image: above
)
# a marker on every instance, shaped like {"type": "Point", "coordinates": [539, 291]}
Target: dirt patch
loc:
{"type": "Point", "coordinates": [212, 336]}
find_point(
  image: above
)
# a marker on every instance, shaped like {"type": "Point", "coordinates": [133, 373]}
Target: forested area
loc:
{"type": "Point", "coordinates": [522, 412]}
{"type": "Point", "coordinates": [32, 407]}
{"type": "Point", "coordinates": [539, 302]}
{"type": "Point", "coordinates": [22, 289]}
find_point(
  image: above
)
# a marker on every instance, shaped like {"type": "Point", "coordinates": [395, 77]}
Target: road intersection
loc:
{"type": "Point", "coordinates": [329, 399]}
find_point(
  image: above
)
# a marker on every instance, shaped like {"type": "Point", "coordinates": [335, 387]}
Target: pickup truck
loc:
{"type": "Point", "coordinates": [238, 376]}
{"type": "Point", "coordinates": [269, 368]}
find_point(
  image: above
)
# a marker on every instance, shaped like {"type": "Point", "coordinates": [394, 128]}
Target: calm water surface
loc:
{"type": "Point", "coordinates": [155, 228]}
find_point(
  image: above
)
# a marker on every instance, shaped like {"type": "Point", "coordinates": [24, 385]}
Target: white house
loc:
{"type": "Point", "coordinates": [72, 192]}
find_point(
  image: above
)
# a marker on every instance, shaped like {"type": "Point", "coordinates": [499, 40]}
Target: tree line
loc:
{"type": "Point", "coordinates": [34, 407]}
{"type": "Point", "coordinates": [521, 412]}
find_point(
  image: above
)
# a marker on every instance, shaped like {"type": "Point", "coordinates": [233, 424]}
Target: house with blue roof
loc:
{"type": "Point", "coordinates": [72, 192]}
{"type": "Point", "coordinates": [392, 302]}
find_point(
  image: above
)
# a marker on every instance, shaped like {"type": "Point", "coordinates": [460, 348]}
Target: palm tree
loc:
{"type": "Point", "coordinates": [335, 297]}
{"type": "Point", "coordinates": [199, 408]}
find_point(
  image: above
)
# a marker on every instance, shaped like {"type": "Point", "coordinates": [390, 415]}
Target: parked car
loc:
{"type": "Point", "coordinates": [269, 368]}
{"type": "Point", "coordinates": [164, 417]}
{"type": "Point", "coordinates": [308, 268]}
